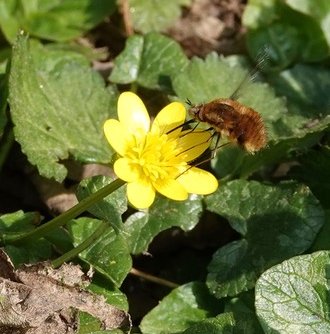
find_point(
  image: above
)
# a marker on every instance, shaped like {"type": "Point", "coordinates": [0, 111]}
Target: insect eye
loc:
{"type": "Point", "coordinates": [193, 110]}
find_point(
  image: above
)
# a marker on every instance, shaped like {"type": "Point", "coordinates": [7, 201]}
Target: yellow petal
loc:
{"type": "Point", "coordinates": [116, 135]}
{"type": "Point", "coordinates": [132, 112]}
{"type": "Point", "coordinates": [198, 181]}
{"type": "Point", "coordinates": [126, 170]}
{"type": "Point", "coordinates": [171, 189]}
{"type": "Point", "coordinates": [171, 116]}
{"type": "Point", "coordinates": [141, 195]}
{"type": "Point", "coordinates": [192, 144]}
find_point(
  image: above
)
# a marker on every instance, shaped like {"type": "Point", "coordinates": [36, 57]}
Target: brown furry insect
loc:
{"type": "Point", "coordinates": [228, 117]}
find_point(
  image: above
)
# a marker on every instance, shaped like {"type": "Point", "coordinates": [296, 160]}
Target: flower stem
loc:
{"type": "Point", "coordinates": [63, 218]}
{"type": "Point", "coordinates": [85, 244]}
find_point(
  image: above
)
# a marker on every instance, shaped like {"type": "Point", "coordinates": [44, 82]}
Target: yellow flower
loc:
{"type": "Point", "coordinates": [154, 158]}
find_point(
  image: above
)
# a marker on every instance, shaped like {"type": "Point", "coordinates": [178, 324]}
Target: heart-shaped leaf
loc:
{"type": "Point", "coordinates": [149, 60]}
{"type": "Point", "coordinates": [109, 255]}
{"type": "Point", "coordinates": [58, 106]}
{"type": "Point", "coordinates": [185, 305]}
{"type": "Point", "coordinates": [276, 222]}
{"type": "Point", "coordinates": [293, 297]}
{"type": "Point", "coordinates": [142, 227]}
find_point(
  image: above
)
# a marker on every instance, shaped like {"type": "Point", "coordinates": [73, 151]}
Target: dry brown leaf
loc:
{"type": "Point", "coordinates": [210, 25]}
{"type": "Point", "coordinates": [40, 299]}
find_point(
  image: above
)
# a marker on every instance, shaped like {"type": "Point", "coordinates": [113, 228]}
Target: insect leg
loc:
{"type": "Point", "coordinates": [205, 160]}
{"type": "Point", "coordinates": [181, 126]}
{"type": "Point", "coordinates": [190, 148]}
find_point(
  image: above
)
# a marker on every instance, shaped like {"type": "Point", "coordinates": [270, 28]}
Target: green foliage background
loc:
{"type": "Point", "coordinates": [273, 276]}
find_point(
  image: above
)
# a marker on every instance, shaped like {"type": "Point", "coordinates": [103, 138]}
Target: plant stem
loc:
{"type": "Point", "coordinates": [63, 218]}
{"type": "Point", "coordinates": [6, 144]}
{"type": "Point", "coordinates": [154, 279]}
{"type": "Point", "coordinates": [85, 244]}
{"type": "Point", "coordinates": [127, 19]}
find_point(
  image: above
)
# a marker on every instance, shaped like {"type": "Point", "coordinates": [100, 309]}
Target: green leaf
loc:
{"type": "Point", "coordinates": [149, 60]}
{"type": "Point", "coordinates": [244, 314]}
{"type": "Point", "coordinates": [88, 324]}
{"type": "Point", "coordinates": [102, 286]}
{"type": "Point", "coordinates": [8, 21]}
{"type": "Point", "coordinates": [3, 107]}
{"type": "Point", "coordinates": [111, 293]}
{"type": "Point", "coordinates": [155, 15]}
{"type": "Point", "coordinates": [19, 221]}
{"type": "Point", "coordinates": [318, 9]}
{"type": "Point", "coordinates": [29, 252]}
{"type": "Point", "coordinates": [58, 106]}
{"type": "Point", "coordinates": [245, 164]}
{"type": "Point", "coordinates": [293, 297]}
{"type": "Point", "coordinates": [52, 19]}
{"type": "Point", "coordinates": [109, 208]}
{"type": "Point", "coordinates": [109, 255]}
{"type": "Point", "coordinates": [322, 241]}
{"type": "Point", "coordinates": [110, 331]}
{"type": "Point", "coordinates": [314, 171]}
{"type": "Point", "coordinates": [239, 317]}
{"type": "Point", "coordinates": [184, 306]}
{"type": "Point", "coordinates": [306, 88]}
{"type": "Point", "coordinates": [60, 240]}
{"type": "Point", "coordinates": [224, 323]}
{"type": "Point", "coordinates": [276, 222]}
{"type": "Point", "coordinates": [288, 34]}
{"type": "Point", "coordinates": [88, 51]}
{"type": "Point", "coordinates": [127, 64]}
{"type": "Point", "coordinates": [142, 227]}
{"type": "Point", "coordinates": [205, 80]}
{"type": "Point", "coordinates": [23, 222]}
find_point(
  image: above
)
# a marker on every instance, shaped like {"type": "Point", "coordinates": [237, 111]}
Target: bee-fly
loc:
{"type": "Point", "coordinates": [232, 119]}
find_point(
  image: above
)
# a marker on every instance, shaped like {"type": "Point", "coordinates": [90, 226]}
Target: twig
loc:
{"type": "Point", "coordinates": [154, 279]}
{"type": "Point", "coordinates": [126, 17]}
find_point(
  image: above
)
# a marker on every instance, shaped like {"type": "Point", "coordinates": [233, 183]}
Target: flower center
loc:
{"type": "Point", "coordinates": [155, 156]}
